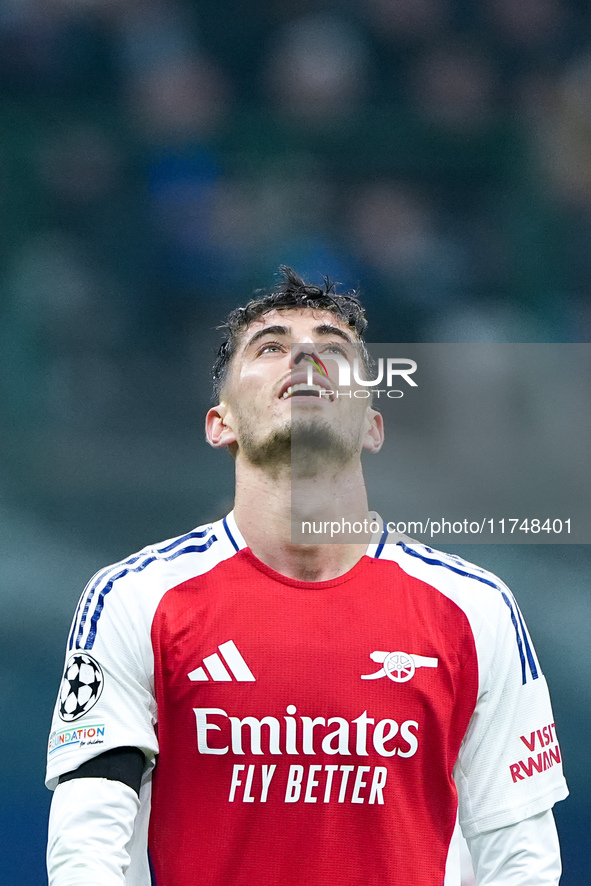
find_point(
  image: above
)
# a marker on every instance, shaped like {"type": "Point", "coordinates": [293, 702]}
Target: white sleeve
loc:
{"type": "Point", "coordinates": [526, 852]}
{"type": "Point", "coordinates": [509, 767]}
{"type": "Point", "coordinates": [90, 827]}
{"type": "Point", "coordinates": [106, 698]}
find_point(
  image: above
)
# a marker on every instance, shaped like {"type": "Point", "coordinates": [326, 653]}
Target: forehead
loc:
{"type": "Point", "coordinates": [298, 322]}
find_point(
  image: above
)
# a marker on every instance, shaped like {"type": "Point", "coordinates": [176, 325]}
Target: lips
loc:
{"type": "Point", "coordinates": [297, 386]}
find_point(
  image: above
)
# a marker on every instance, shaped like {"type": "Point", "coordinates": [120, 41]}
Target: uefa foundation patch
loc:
{"type": "Point", "coordinates": [77, 736]}
{"type": "Point", "coordinates": [81, 687]}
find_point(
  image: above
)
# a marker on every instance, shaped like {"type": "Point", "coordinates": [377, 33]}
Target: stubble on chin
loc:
{"type": "Point", "coordinates": [304, 446]}
{"type": "Point", "coordinates": [270, 453]}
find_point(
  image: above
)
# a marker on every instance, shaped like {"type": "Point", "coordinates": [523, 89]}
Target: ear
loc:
{"type": "Point", "coordinates": [218, 430]}
{"type": "Point", "coordinates": [374, 437]}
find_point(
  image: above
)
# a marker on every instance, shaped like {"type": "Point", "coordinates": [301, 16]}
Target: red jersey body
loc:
{"type": "Point", "coordinates": [297, 775]}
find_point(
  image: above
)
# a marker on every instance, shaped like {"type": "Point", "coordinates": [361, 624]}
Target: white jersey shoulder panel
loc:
{"type": "Point", "coordinates": [110, 640]}
{"type": "Point", "coordinates": [509, 766]}
{"type": "Point", "coordinates": [148, 574]}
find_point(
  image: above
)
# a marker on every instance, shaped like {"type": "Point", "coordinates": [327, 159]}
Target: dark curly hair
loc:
{"type": "Point", "coordinates": [290, 292]}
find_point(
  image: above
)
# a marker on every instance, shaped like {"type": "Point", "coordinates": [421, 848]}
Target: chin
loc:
{"type": "Point", "coordinates": [307, 444]}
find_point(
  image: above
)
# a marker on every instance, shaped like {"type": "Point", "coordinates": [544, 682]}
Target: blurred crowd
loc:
{"type": "Point", "coordinates": [160, 158]}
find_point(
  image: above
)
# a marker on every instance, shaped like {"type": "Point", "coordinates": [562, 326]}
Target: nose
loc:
{"type": "Point", "coordinates": [305, 355]}
{"type": "Point", "coordinates": [303, 350]}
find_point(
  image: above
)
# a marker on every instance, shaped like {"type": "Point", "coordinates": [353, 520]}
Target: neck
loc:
{"type": "Point", "coordinates": [270, 508]}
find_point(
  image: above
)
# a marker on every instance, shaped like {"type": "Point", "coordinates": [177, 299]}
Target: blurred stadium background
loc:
{"type": "Point", "coordinates": [158, 161]}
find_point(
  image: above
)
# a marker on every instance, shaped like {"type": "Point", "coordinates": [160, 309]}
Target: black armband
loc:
{"type": "Point", "coordinates": [119, 764]}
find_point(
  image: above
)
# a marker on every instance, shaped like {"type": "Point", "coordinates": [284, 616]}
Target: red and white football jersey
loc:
{"type": "Point", "coordinates": [319, 732]}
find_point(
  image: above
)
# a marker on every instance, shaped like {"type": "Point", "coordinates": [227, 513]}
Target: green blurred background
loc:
{"type": "Point", "coordinates": [158, 161]}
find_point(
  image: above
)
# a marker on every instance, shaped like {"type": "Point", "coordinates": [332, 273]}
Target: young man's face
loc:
{"type": "Point", "coordinates": [269, 411]}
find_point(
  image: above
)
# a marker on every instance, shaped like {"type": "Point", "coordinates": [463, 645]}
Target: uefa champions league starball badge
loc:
{"type": "Point", "coordinates": [81, 687]}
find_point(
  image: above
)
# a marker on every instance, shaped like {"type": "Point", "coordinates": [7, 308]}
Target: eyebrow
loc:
{"type": "Point", "coordinates": [324, 329]}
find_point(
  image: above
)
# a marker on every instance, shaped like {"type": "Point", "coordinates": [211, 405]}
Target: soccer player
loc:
{"type": "Point", "coordinates": [265, 713]}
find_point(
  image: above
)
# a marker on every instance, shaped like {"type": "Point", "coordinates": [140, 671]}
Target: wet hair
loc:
{"type": "Point", "coordinates": [290, 292]}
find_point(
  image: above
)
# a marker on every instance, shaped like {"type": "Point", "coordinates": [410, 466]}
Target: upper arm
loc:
{"type": "Point", "coordinates": [106, 698]}
{"type": "Point", "coordinates": [509, 767]}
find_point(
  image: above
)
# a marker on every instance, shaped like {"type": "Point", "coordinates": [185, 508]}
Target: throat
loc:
{"type": "Point", "coordinates": [311, 563]}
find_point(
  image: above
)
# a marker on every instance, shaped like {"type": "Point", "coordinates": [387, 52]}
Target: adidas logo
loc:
{"type": "Point", "coordinates": [231, 667]}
